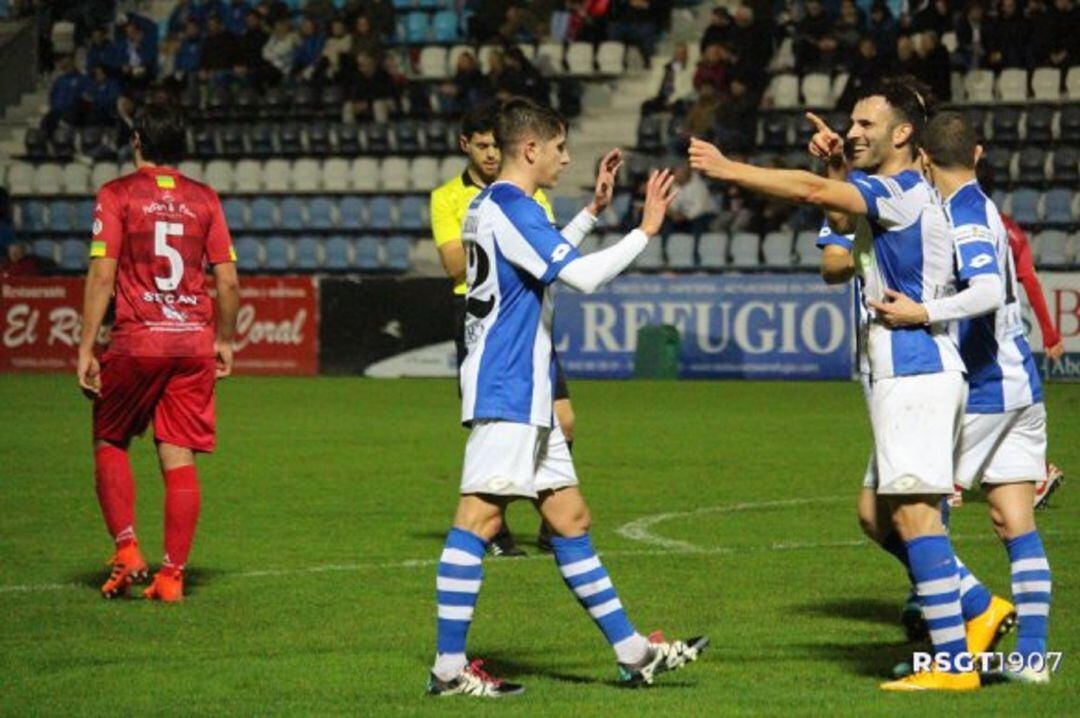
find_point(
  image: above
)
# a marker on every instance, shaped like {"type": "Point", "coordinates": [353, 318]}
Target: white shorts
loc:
{"type": "Point", "coordinates": [508, 459]}
{"type": "Point", "coordinates": [916, 423]}
{"type": "Point", "coordinates": [1002, 448]}
{"type": "Point", "coordinates": [870, 477]}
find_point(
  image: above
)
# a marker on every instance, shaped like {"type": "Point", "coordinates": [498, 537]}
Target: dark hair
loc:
{"type": "Point", "coordinates": [520, 117]}
{"type": "Point", "coordinates": [161, 131]}
{"type": "Point", "coordinates": [984, 175]}
{"type": "Point", "coordinates": [951, 141]}
{"type": "Point", "coordinates": [479, 120]}
{"type": "Point", "coordinates": [910, 101]}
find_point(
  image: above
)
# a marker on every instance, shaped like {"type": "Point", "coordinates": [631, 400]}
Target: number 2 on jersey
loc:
{"type": "Point", "coordinates": [162, 248]}
{"type": "Point", "coordinates": [478, 266]}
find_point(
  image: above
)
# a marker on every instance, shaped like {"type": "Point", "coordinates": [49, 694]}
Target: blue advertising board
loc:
{"type": "Point", "coordinates": [758, 326]}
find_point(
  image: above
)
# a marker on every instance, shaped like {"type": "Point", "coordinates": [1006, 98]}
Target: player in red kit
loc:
{"type": "Point", "coordinates": [154, 232]}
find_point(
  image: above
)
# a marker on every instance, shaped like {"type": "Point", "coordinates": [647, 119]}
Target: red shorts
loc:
{"type": "Point", "coordinates": [177, 393]}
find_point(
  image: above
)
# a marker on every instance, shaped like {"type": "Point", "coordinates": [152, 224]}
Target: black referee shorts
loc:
{"type": "Point", "coordinates": [561, 390]}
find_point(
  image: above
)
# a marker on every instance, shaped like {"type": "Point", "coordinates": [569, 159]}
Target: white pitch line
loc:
{"type": "Point", "coordinates": [640, 530]}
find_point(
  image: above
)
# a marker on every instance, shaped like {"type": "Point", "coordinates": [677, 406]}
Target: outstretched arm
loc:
{"type": "Point", "coordinates": [798, 186]}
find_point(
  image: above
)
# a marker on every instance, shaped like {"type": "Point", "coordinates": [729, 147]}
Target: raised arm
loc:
{"type": "Point", "coordinates": [828, 146]}
{"type": "Point", "coordinates": [582, 224]}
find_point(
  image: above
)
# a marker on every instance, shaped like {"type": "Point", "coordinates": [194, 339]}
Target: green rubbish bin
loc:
{"type": "Point", "coordinates": [657, 355]}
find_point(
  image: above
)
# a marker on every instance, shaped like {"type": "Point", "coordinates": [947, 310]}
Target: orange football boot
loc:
{"type": "Point", "coordinates": [168, 586]}
{"type": "Point", "coordinates": [128, 567]}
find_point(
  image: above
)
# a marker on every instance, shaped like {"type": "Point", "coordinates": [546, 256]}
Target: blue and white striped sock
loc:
{"type": "Point", "coordinates": [974, 597]}
{"type": "Point", "coordinates": [937, 582]}
{"type": "Point", "coordinates": [1031, 592]}
{"type": "Point", "coordinates": [588, 579]}
{"type": "Point", "coordinates": [457, 586]}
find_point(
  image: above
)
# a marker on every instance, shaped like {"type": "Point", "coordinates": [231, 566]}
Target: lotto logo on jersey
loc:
{"type": "Point", "coordinates": [560, 252]}
{"type": "Point", "coordinates": [980, 260]}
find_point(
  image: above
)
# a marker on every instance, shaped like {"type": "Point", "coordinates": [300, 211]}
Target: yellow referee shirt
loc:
{"type": "Point", "coordinates": [450, 202]}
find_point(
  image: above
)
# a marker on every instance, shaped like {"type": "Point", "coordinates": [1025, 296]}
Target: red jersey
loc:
{"type": "Point", "coordinates": [1025, 273]}
{"type": "Point", "coordinates": [162, 228]}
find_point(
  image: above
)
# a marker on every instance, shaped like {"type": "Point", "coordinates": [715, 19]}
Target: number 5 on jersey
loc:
{"type": "Point", "coordinates": [162, 248]}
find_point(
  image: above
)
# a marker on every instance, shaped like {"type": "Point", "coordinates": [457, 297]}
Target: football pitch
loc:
{"type": "Point", "coordinates": [718, 507]}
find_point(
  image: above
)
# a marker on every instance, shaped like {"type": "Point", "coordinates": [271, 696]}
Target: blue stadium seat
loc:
{"type": "Point", "coordinates": [351, 210]}
{"type": "Point", "coordinates": [1039, 124]}
{"type": "Point", "coordinates": [1065, 165]}
{"type": "Point", "coordinates": [292, 213]}
{"type": "Point", "coordinates": [235, 213]}
{"type": "Point", "coordinates": [84, 215]}
{"type": "Point", "coordinates": [74, 254]}
{"type": "Point", "coordinates": [261, 138]}
{"type": "Point", "coordinates": [408, 137]}
{"type": "Point", "coordinates": [320, 213]}
{"type": "Point", "coordinates": [566, 208]}
{"type": "Point", "coordinates": [413, 215]}
{"type": "Point", "coordinates": [45, 248]}
{"type": "Point", "coordinates": [1000, 159]}
{"type": "Point", "coordinates": [32, 216]}
{"type": "Point", "coordinates": [1025, 206]}
{"type": "Point", "coordinates": [263, 213]}
{"type": "Point", "coordinates": [1057, 207]}
{"type": "Point", "coordinates": [336, 252]}
{"type": "Point", "coordinates": [1005, 124]}
{"type": "Point", "coordinates": [404, 4]}
{"type": "Point", "coordinates": [367, 253]}
{"type": "Point", "coordinates": [380, 213]}
{"type": "Point", "coordinates": [61, 216]}
{"type": "Point", "coordinates": [248, 254]}
{"type": "Point", "coordinates": [417, 30]}
{"type": "Point", "coordinates": [1052, 247]}
{"type": "Point", "coordinates": [307, 254]}
{"type": "Point", "coordinates": [1031, 165]}
{"type": "Point", "coordinates": [444, 26]}
{"type": "Point", "coordinates": [397, 253]}
{"type": "Point", "coordinates": [277, 254]}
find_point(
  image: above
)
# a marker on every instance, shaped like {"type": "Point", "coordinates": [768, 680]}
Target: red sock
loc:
{"type": "Point", "coordinates": [116, 492]}
{"type": "Point", "coordinates": [181, 514]}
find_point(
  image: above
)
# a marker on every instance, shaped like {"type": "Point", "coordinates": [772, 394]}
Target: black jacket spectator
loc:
{"type": "Point", "coordinates": [815, 44]}
{"type": "Point", "coordinates": [720, 29]}
{"type": "Point", "coordinates": [220, 50]}
{"type": "Point", "coordinates": [1008, 38]}
{"type": "Point", "coordinates": [936, 16]}
{"type": "Point", "coordinates": [934, 67]}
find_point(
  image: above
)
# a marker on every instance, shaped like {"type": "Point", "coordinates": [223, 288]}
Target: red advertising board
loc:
{"type": "Point", "coordinates": [277, 327]}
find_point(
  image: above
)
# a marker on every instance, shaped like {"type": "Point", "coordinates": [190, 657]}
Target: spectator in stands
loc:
{"type": "Point", "coordinates": [7, 229]}
{"type": "Point", "coordinates": [1062, 49]}
{"type": "Point", "coordinates": [280, 50]}
{"type": "Point", "coordinates": [249, 58]}
{"type": "Point", "coordinates": [270, 11]}
{"type": "Point", "coordinates": [700, 118]}
{"type": "Point", "coordinates": [100, 51]}
{"type": "Point", "coordinates": [694, 209]}
{"type": "Point", "coordinates": [1008, 38]}
{"type": "Point", "coordinates": [934, 16]}
{"type": "Point", "coordinates": [881, 27]}
{"type": "Point", "coordinates": [735, 125]}
{"type": "Point", "coordinates": [906, 61]}
{"type": "Point", "coordinates": [369, 89]}
{"type": "Point", "coordinates": [188, 58]}
{"type": "Point", "coordinates": [382, 15]}
{"type": "Point", "coordinates": [712, 69]}
{"type": "Point", "coordinates": [149, 37]}
{"type": "Point", "coordinates": [66, 98]}
{"type": "Point", "coordinates": [594, 21]}
{"type": "Point", "coordinates": [751, 49]}
{"type": "Point", "coordinates": [521, 78]}
{"type": "Point", "coordinates": [320, 11]}
{"type": "Point", "coordinates": [181, 15]}
{"type": "Point", "coordinates": [720, 29]}
{"type": "Point", "coordinates": [220, 53]}
{"type": "Point", "coordinates": [867, 69]}
{"type": "Point", "coordinates": [308, 49]}
{"type": "Point", "coordinates": [815, 45]}
{"type": "Point", "coordinates": [677, 80]}
{"type": "Point", "coordinates": [236, 17]}
{"type": "Point", "coordinates": [19, 262]}
{"type": "Point", "coordinates": [635, 26]}
{"type": "Point", "coordinates": [338, 48]}
{"type": "Point", "coordinates": [137, 56]}
{"type": "Point", "coordinates": [495, 70]}
{"type": "Point", "coordinates": [934, 65]}
{"type": "Point", "coordinates": [970, 38]}
{"type": "Point", "coordinates": [102, 94]}
{"type": "Point", "coordinates": [365, 39]}
{"type": "Point", "coordinates": [469, 87]}
{"type": "Point", "coordinates": [848, 28]}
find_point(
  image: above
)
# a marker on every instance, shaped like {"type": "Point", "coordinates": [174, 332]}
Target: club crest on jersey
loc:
{"type": "Point", "coordinates": [174, 314]}
{"type": "Point", "coordinates": [97, 227]}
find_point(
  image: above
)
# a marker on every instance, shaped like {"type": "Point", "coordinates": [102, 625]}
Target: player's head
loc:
{"type": "Point", "coordinates": [159, 135]}
{"type": "Point", "coordinates": [477, 141]}
{"type": "Point", "coordinates": [886, 124]}
{"type": "Point", "coordinates": [533, 137]}
{"type": "Point", "coordinates": [950, 145]}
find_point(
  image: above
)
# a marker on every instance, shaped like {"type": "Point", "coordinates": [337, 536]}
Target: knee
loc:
{"type": "Point", "coordinates": [575, 523]}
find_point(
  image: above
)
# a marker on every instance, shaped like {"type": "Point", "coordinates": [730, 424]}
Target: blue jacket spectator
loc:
{"type": "Point", "coordinates": [101, 52]}
{"type": "Point", "coordinates": [310, 48]}
{"type": "Point", "coordinates": [236, 17]}
{"type": "Point", "coordinates": [67, 101]}
{"type": "Point", "coordinates": [136, 54]}
{"type": "Point", "coordinates": [102, 93]}
{"type": "Point", "coordinates": [189, 55]}
{"type": "Point", "coordinates": [149, 31]}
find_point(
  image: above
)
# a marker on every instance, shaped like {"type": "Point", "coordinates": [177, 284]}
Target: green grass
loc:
{"type": "Point", "coordinates": [331, 487]}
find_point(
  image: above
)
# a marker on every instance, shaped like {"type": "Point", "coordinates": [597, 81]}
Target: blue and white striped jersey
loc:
{"type": "Point", "coordinates": [513, 254]}
{"type": "Point", "coordinates": [860, 245]}
{"type": "Point", "coordinates": [912, 254]}
{"type": "Point", "coordinates": [1001, 369]}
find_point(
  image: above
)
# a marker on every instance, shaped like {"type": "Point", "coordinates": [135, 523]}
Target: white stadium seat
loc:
{"type": "Point", "coordinates": [219, 175]}
{"type": "Point", "coordinates": [744, 249]}
{"type": "Point", "coordinates": [680, 251]}
{"type": "Point", "coordinates": [451, 166]}
{"type": "Point", "coordinates": [306, 175]}
{"type": "Point", "coordinates": [816, 89]}
{"type": "Point", "coordinates": [276, 175]}
{"type": "Point", "coordinates": [712, 248]}
{"type": "Point", "coordinates": [1072, 83]}
{"type": "Point", "coordinates": [433, 61]}
{"type": "Point", "coordinates": [611, 58]}
{"type": "Point", "coordinates": [365, 174]}
{"type": "Point", "coordinates": [395, 173]}
{"type": "Point", "coordinates": [979, 86]}
{"type": "Point", "coordinates": [335, 174]}
{"type": "Point", "coordinates": [1046, 84]}
{"type": "Point", "coordinates": [839, 84]}
{"type": "Point", "coordinates": [784, 90]}
{"type": "Point", "coordinates": [247, 176]}
{"type": "Point", "coordinates": [1012, 85]}
{"type": "Point", "coordinates": [77, 178]}
{"type": "Point", "coordinates": [192, 169]}
{"type": "Point", "coordinates": [20, 178]}
{"type": "Point", "coordinates": [579, 58]}
{"type": "Point", "coordinates": [49, 179]}
{"type": "Point", "coordinates": [549, 58]}
{"type": "Point", "coordinates": [424, 172]}
{"type": "Point", "coordinates": [104, 172]}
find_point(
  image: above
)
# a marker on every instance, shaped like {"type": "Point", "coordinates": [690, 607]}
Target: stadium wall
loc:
{"type": "Point", "coordinates": [761, 326]}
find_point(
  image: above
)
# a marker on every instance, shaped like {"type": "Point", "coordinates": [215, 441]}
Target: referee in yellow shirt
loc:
{"type": "Point", "coordinates": [449, 203]}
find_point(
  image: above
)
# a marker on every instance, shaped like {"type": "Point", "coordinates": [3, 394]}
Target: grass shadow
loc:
{"type": "Point", "coordinates": [194, 578]}
{"type": "Point", "coordinates": [865, 610]}
{"type": "Point", "coordinates": [874, 659]}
